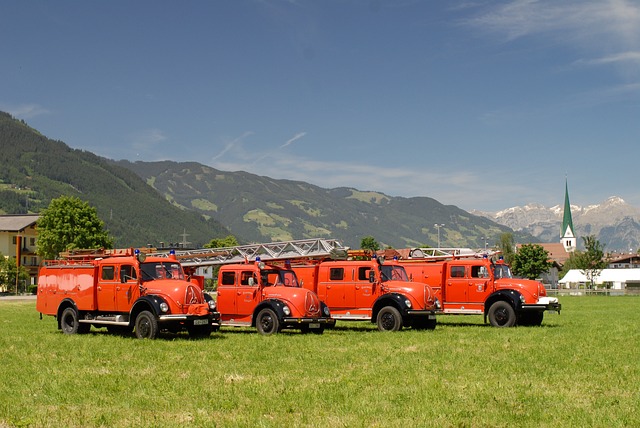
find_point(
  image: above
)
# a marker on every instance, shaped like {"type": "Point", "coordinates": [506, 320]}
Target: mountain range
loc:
{"type": "Point", "coordinates": [613, 222]}
{"type": "Point", "coordinates": [186, 202]}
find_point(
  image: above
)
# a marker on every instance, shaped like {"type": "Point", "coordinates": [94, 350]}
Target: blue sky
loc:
{"type": "Point", "coordinates": [479, 104]}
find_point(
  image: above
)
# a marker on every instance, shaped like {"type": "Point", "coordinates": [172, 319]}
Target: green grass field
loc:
{"type": "Point", "coordinates": [580, 368]}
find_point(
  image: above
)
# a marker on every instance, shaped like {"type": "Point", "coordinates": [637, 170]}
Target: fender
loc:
{"type": "Point", "coordinates": [390, 299]}
{"type": "Point", "coordinates": [274, 304]}
{"type": "Point", "coordinates": [65, 303]}
{"type": "Point", "coordinates": [511, 296]}
{"type": "Point", "coordinates": [151, 302]}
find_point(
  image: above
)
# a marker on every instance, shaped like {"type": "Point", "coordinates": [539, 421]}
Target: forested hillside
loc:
{"type": "Point", "coordinates": [262, 209]}
{"type": "Point", "coordinates": [35, 169]}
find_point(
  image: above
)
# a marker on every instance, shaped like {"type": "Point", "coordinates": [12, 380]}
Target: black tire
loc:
{"type": "Point", "coordinates": [200, 331]}
{"type": "Point", "coordinates": [502, 314]}
{"type": "Point", "coordinates": [69, 322]}
{"type": "Point", "coordinates": [530, 318]}
{"type": "Point", "coordinates": [146, 325]}
{"type": "Point", "coordinates": [424, 324]}
{"type": "Point", "coordinates": [389, 319]}
{"type": "Point", "coordinates": [267, 322]}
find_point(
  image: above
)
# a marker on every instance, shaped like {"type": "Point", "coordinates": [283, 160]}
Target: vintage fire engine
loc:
{"type": "Point", "coordinates": [468, 282]}
{"type": "Point", "coordinates": [257, 288]}
{"type": "Point", "coordinates": [363, 287]}
{"type": "Point", "coordinates": [122, 290]}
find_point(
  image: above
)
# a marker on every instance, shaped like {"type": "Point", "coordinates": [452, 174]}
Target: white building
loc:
{"type": "Point", "coordinates": [616, 279]}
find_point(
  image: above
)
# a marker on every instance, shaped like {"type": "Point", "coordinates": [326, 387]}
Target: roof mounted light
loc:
{"type": "Point", "coordinates": [141, 257]}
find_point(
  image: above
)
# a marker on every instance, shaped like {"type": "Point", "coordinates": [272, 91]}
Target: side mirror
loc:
{"type": "Point", "coordinates": [252, 282]}
{"type": "Point", "coordinates": [372, 276]}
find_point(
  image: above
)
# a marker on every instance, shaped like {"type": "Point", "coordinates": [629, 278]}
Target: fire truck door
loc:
{"type": "Point", "coordinates": [478, 284]}
{"type": "Point", "coordinates": [247, 293]}
{"type": "Point", "coordinates": [338, 290]}
{"type": "Point", "coordinates": [127, 290]}
{"type": "Point", "coordinates": [226, 299]}
{"type": "Point", "coordinates": [106, 292]}
{"type": "Point", "coordinates": [364, 292]}
{"type": "Point", "coordinates": [456, 286]}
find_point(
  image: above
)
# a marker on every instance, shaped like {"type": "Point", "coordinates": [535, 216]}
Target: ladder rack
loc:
{"type": "Point", "coordinates": [449, 253]}
{"type": "Point", "coordinates": [302, 248]}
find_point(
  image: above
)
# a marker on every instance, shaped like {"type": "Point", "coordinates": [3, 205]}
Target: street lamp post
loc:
{"type": "Point", "coordinates": [438, 226]}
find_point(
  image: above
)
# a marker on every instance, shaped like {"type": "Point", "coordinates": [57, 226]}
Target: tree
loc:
{"type": "Point", "coordinates": [8, 272]}
{"type": "Point", "coordinates": [506, 247]}
{"type": "Point", "coordinates": [69, 223]}
{"type": "Point", "coordinates": [227, 241]}
{"type": "Point", "coordinates": [530, 261]}
{"type": "Point", "coordinates": [591, 261]}
{"type": "Point", "coordinates": [369, 243]}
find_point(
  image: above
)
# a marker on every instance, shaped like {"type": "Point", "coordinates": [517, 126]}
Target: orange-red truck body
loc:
{"type": "Point", "coordinates": [367, 290]}
{"type": "Point", "coordinates": [480, 286]}
{"type": "Point", "coordinates": [114, 289]}
{"type": "Point", "coordinates": [270, 298]}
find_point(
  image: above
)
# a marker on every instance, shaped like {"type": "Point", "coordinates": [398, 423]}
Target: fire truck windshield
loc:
{"type": "Point", "coordinates": [161, 270]}
{"type": "Point", "coordinates": [279, 277]}
{"type": "Point", "coordinates": [393, 273]}
{"type": "Point", "coordinates": [501, 270]}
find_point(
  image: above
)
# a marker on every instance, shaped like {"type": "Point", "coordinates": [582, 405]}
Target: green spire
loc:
{"type": "Point", "coordinates": [567, 222]}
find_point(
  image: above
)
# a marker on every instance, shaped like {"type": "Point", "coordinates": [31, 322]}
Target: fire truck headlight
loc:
{"type": "Point", "coordinates": [212, 305]}
{"type": "Point", "coordinates": [326, 311]}
{"type": "Point", "coordinates": [408, 303]}
{"type": "Point", "coordinates": [286, 310]}
{"type": "Point", "coordinates": [164, 307]}
{"type": "Point", "coordinates": [438, 304]}
{"type": "Point", "coordinates": [522, 299]}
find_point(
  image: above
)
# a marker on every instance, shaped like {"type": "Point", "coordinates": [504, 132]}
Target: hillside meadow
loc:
{"type": "Point", "coordinates": [580, 368]}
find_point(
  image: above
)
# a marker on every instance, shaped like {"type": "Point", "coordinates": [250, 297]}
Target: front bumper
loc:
{"type": "Point", "coordinates": [415, 313]}
{"type": "Point", "coordinates": [323, 321]}
{"type": "Point", "coordinates": [543, 304]}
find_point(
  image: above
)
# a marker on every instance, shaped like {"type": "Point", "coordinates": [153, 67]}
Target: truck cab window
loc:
{"type": "Point", "coordinates": [457, 272]}
{"type": "Point", "coordinates": [228, 278]}
{"type": "Point", "coordinates": [108, 273]}
{"type": "Point", "coordinates": [479, 272]}
{"type": "Point", "coordinates": [127, 273]}
{"type": "Point", "coordinates": [248, 278]}
{"type": "Point", "coordinates": [336, 274]}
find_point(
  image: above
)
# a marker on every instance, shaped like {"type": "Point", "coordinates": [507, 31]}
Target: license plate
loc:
{"type": "Point", "coordinates": [201, 322]}
{"type": "Point", "coordinates": [314, 325]}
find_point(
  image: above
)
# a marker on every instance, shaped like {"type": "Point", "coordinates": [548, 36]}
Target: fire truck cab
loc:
{"type": "Point", "coordinates": [371, 289]}
{"type": "Point", "coordinates": [124, 291]}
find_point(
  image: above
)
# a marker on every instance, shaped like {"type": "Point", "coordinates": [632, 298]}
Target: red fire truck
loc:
{"type": "Point", "coordinates": [257, 288]}
{"type": "Point", "coordinates": [124, 291]}
{"type": "Point", "coordinates": [371, 289]}
{"type": "Point", "coordinates": [471, 283]}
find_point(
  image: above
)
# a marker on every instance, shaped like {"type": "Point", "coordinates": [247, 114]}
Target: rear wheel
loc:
{"type": "Point", "coordinates": [267, 322]}
{"type": "Point", "coordinates": [501, 314]}
{"type": "Point", "coordinates": [389, 319]}
{"type": "Point", "coordinates": [70, 324]}
{"type": "Point", "coordinates": [146, 325]}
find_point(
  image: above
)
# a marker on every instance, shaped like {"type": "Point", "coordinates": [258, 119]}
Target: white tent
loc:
{"type": "Point", "coordinates": [619, 278]}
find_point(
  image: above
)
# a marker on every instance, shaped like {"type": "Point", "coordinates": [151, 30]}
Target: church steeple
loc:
{"type": "Point", "coordinates": [567, 236]}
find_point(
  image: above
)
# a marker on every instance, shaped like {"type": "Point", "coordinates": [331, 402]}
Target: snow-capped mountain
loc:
{"type": "Point", "coordinates": [615, 223]}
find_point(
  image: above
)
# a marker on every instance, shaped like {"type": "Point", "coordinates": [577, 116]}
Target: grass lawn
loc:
{"type": "Point", "coordinates": [580, 368]}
